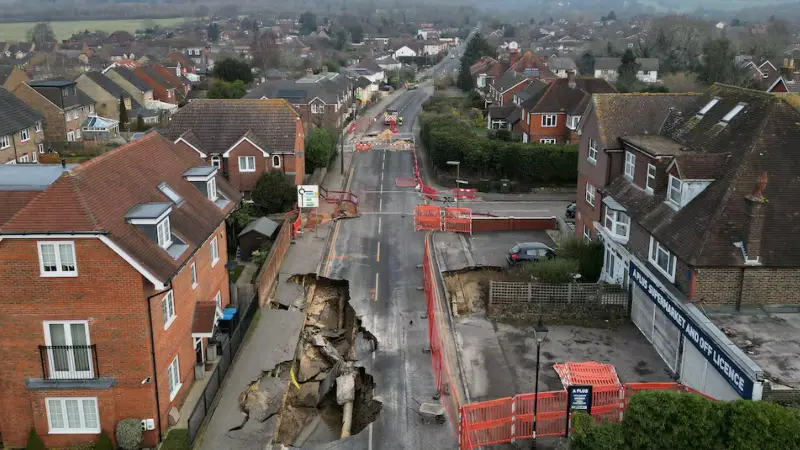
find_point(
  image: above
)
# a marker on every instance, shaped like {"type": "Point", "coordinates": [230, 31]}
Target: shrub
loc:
{"type": "Point", "coordinates": [272, 192]}
{"type": "Point", "coordinates": [34, 441]}
{"type": "Point", "coordinates": [550, 271]}
{"type": "Point", "coordinates": [104, 442]}
{"type": "Point", "coordinates": [761, 425]}
{"type": "Point", "coordinates": [588, 254]}
{"type": "Point", "coordinates": [129, 434]}
{"type": "Point", "coordinates": [177, 439]}
{"type": "Point", "coordinates": [587, 435]}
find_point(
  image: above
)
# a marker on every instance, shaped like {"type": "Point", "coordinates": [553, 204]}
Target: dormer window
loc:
{"type": "Point", "coordinates": [171, 194]}
{"type": "Point", "coordinates": [152, 219]}
{"type": "Point", "coordinates": [708, 106]}
{"type": "Point", "coordinates": [203, 178]}
{"type": "Point", "coordinates": [674, 193]}
{"type": "Point", "coordinates": [212, 189]}
{"type": "Point", "coordinates": [164, 233]}
{"type": "Point", "coordinates": [732, 113]}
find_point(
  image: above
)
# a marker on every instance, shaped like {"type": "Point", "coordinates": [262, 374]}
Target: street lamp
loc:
{"type": "Point", "coordinates": [539, 333]}
{"type": "Point", "coordinates": [458, 172]}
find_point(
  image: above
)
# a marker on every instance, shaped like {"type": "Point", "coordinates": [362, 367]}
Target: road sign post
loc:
{"type": "Point", "coordinates": [308, 196]}
{"type": "Point", "coordinates": [579, 399]}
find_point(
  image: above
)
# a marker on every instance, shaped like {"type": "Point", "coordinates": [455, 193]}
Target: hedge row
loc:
{"type": "Point", "coordinates": [449, 138]}
{"type": "Point", "coordinates": [669, 420]}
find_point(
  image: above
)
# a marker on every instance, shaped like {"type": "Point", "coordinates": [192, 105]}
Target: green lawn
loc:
{"type": "Point", "coordinates": [18, 31]}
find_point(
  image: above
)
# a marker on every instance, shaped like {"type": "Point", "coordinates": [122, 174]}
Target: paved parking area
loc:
{"type": "Point", "coordinates": [460, 251]}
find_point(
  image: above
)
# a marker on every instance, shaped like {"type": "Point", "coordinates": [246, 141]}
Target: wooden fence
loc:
{"type": "Point", "coordinates": [268, 273]}
{"type": "Point", "coordinates": [572, 299]}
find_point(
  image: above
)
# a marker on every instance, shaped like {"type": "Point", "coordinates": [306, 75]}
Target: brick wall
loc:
{"type": "Point", "coordinates": [268, 273]}
{"type": "Point", "coordinates": [717, 286]}
{"type": "Point", "coordinates": [245, 181]}
{"type": "Point", "coordinates": [22, 148]}
{"type": "Point", "coordinates": [536, 131]}
{"type": "Point", "coordinates": [759, 286]}
{"type": "Point", "coordinates": [588, 213]}
{"type": "Point", "coordinates": [55, 125]}
{"type": "Point", "coordinates": [107, 104]}
{"type": "Point", "coordinates": [16, 77]}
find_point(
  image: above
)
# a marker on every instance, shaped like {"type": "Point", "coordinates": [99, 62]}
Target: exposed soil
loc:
{"type": "Point", "coordinates": [365, 408]}
{"type": "Point", "coordinates": [469, 289]}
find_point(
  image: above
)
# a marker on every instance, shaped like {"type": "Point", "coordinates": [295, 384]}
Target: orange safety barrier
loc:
{"type": "Point", "coordinates": [458, 220]}
{"type": "Point", "coordinates": [607, 403]}
{"type": "Point", "coordinates": [427, 217]}
{"type": "Point", "coordinates": [429, 192]}
{"type": "Point", "coordinates": [550, 414]}
{"type": "Point", "coordinates": [583, 373]}
{"type": "Point", "coordinates": [460, 193]}
{"type": "Point", "coordinates": [296, 226]}
{"type": "Point", "coordinates": [488, 423]}
{"type": "Point", "coordinates": [633, 388]}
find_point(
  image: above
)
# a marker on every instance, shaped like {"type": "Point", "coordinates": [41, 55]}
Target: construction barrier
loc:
{"type": "Point", "coordinates": [429, 192]}
{"type": "Point", "coordinates": [458, 220]}
{"type": "Point", "coordinates": [363, 147]}
{"type": "Point", "coordinates": [296, 226]}
{"type": "Point", "coordinates": [427, 217]}
{"type": "Point", "coordinates": [508, 419]}
{"type": "Point", "coordinates": [461, 193]}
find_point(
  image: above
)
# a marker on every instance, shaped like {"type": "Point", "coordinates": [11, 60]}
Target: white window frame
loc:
{"type": "Point", "coordinates": [211, 186]}
{"type": "Point", "coordinates": [70, 137]}
{"type": "Point", "coordinates": [244, 164]}
{"type": "Point", "coordinates": [214, 252]}
{"type": "Point", "coordinates": [77, 135]}
{"type": "Point", "coordinates": [630, 165]}
{"type": "Point", "coordinates": [91, 109]}
{"type": "Point", "coordinates": [48, 341]}
{"type": "Point", "coordinates": [277, 166]}
{"type": "Point", "coordinates": [168, 309]}
{"type": "Point", "coordinates": [37, 127]}
{"type": "Point", "coordinates": [164, 233]}
{"type": "Point", "coordinates": [5, 142]}
{"type": "Point", "coordinates": [549, 141]}
{"type": "Point", "coordinates": [174, 378]}
{"type": "Point", "coordinates": [549, 120]}
{"type": "Point", "coordinates": [61, 403]}
{"type": "Point", "coordinates": [59, 272]}
{"type": "Point", "coordinates": [23, 159]}
{"type": "Point", "coordinates": [573, 122]}
{"type": "Point", "coordinates": [216, 162]}
{"type": "Point", "coordinates": [674, 189]}
{"type": "Point", "coordinates": [656, 249]}
{"type": "Point", "coordinates": [193, 270]}
{"type": "Point", "coordinates": [35, 156]}
{"type": "Point", "coordinates": [25, 135]}
{"type": "Point", "coordinates": [617, 223]}
{"type": "Point", "coordinates": [592, 151]}
{"type": "Point", "coordinates": [587, 233]}
{"type": "Point", "coordinates": [651, 178]}
{"type": "Point", "coordinates": [591, 193]}
{"type": "Point", "coordinates": [218, 299]}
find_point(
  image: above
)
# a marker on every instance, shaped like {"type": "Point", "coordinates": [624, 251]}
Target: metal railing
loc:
{"type": "Point", "coordinates": [69, 362]}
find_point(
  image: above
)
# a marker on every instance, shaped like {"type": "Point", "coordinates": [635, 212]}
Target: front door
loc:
{"type": "Point", "coordinates": [198, 351]}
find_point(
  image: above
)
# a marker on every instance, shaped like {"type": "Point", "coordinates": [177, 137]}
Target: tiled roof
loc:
{"type": "Point", "coordinates": [561, 63]}
{"type": "Point", "coordinates": [95, 196]}
{"type": "Point", "coordinates": [12, 202]}
{"type": "Point", "coordinates": [632, 114]}
{"type": "Point", "coordinates": [15, 115]}
{"type": "Point", "coordinates": [762, 139]}
{"type": "Point", "coordinates": [132, 78]}
{"type": "Point", "coordinates": [218, 124]}
{"type": "Point", "coordinates": [106, 83]}
{"type": "Point", "coordinates": [508, 80]}
{"type": "Point", "coordinates": [561, 97]}
{"type": "Point", "coordinates": [531, 61]}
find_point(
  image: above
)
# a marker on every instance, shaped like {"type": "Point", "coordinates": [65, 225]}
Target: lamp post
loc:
{"type": "Point", "coordinates": [458, 172]}
{"type": "Point", "coordinates": [539, 333]}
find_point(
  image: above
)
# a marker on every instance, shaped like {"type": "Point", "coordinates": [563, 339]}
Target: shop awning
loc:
{"type": "Point", "coordinates": [205, 319]}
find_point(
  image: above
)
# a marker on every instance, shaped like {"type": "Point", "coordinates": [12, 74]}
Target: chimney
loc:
{"type": "Point", "coordinates": [755, 220]}
{"type": "Point", "coordinates": [571, 78]}
{"type": "Point", "coordinates": [513, 57]}
{"type": "Point", "coordinates": [309, 73]}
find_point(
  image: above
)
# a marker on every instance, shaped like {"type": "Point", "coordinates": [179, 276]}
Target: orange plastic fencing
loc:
{"type": "Point", "coordinates": [587, 373]}
{"type": "Point", "coordinates": [488, 423]}
{"type": "Point", "coordinates": [550, 414]}
{"type": "Point", "coordinates": [458, 220]}
{"type": "Point", "coordinates": [427, 217]}
{"type": "Point", "coordinates": [633, 388]}
{"type": "Point", "coordinates": [607, 403]}
{"type": "Point", "coordinates": [296, 226]}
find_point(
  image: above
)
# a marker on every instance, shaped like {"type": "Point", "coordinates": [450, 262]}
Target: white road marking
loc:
{"type": "Point", "coordinates": [376, 286]}
{"type": "Point", "coordinates": [370, 425]}
{"type": "Point", "coordinates": [378, 255]}
{"type": "Point", "coordinates": [380, 205]}
{"type": "Point", "coordinates": [380, 221]}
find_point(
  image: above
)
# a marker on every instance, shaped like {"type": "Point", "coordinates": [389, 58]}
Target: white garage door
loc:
{"type": "Point", "coordinates": [698, 373]}
{"type": "Point", "coordinates": [656, 327]}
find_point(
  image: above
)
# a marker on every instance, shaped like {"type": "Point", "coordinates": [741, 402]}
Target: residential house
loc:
{"type": "Point", "coordinates": [123, 38]}
{"type": "Point", "coordinates": [506, 117]}
{"type": "Point", "coordinates": [561, 66]}
{"type": "Point", "coordinates": [116, 53]}
{"type": "Point", "coordinates": [163, 91]}
{"type": "Point", "coordinates": [19, 50]}
{"type": "Point", "coordinates": [606, 68]}
{"type": "Point", "coordinates": [322, 100]}
{"type": "Point", "coordinates": [243, 138]}
{"type": "Point", "coordinates": [501, 92]}
{"type": "Point", "coordinates": [187, 65]}
{"type": "Point", "coordinates": [63, 106]}
{"type": "Point", "coordinates": [172, 76]}
{"type": "Point", "coordinates": [121, 261]}
{"type": "Point", "coordinates": [485, 71]}
{"type": "Point", "coordinates": [696, 214]}
{"type": "Point", "coordinates": [432, 47]}
{"type": "Point", "coordinates": [11, 76]}
{"type": "Point", "coordinates": [389, 64]}
{"type": "Point", "coordinates": [553, 117]}
{"type": "Point", "coordinates": [370, 70]}
{"type": "Point", "coordinates": [404, 51]}
{"type": "Point", "coordinates": [21, 136]}
{"type": "Point", "coordinates": [106, 94]}
{"type": "Point", "coordinates": [531, 66]}
{"type": "Point", "coordinates": [132, 84]}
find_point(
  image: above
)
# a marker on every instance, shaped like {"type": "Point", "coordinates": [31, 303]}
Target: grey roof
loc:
{"type": "Point", "coordinates": [132, 78]}
{"type": "Point", "coordinates": [561, 63]}
{"type": "Point", "coordinates": [51, 83]}
{"type": "Point", "coordinates": [148, 210]}
{"type": "Point", "coordinates": [15, 115]}
{"type": "Point", "coordinates": [200, 171]}
{"type": "Point", "coordinates": [5, 71]}
{"type": "Point", "coordinates": [509, 80]}
{"type": "Point", "coordinates": [107, 84]}
{"type": "Point", "coordinates": [262, 225]}
{"type": "Point", "coordinates": [645, 64]}
{"type": "Point", "coordinates": [501, 112]}
{"type": "Point", "coordinates": [304, 90]}
{"type": "Point", "coordinates": [30, 177]}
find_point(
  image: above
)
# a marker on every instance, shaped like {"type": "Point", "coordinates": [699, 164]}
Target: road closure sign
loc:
{"type": "Point", "coordinates": [308, 196]}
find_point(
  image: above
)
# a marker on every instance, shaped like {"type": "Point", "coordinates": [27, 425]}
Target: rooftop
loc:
{"type": "Point", "coordinates": [51, 83]}
{"type": "Point", "coordinates": [30, 177]}
{"type": "Point", "coordinates": [654, 144]}
{"type": "Point", "coordinates": [148, 210]}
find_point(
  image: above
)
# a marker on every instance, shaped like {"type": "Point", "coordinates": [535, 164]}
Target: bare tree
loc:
{"type": "Point", "coordinates": [266, 52]}
{"type": "Point", "coordinates": [41, 34]}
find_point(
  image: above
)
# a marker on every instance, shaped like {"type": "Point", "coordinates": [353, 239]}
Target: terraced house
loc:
{"type": "Point", "coordinates": [63, 105]}
{"type": "Point", "coordinates": [21, 136]}
{"type": "Point", "coordinates": [119, 280]}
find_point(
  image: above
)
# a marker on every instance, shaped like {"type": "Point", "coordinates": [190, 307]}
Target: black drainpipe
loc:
{"type": "Point", "coordinates": [153, 358]}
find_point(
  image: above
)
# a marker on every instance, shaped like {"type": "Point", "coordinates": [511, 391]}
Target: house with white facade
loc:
{"type": "Point", "coordinates": [404, 51]}
{"type": "Point", "coordinates": [606, 68]}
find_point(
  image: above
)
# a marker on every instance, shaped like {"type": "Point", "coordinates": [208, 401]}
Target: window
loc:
{"type": "Point", "coordinates": [211, 185]}
{"type": "Point", "coordinates": [25, 135]}
{"type": "Point", "coordinates": [617, 223]}
{"type": "Point", "coordinates": [23, 159]}
{"type": "Point", "coordinates": [70, 137]}
{"type": "Point", "coordinates": [57, 259]}
{"type": "Point", "coordinates": [276, 161]}
{"type": "Point", "coordinates": [91, 109]}
{"type": "Point", "coordinates": [77, 134]}
{"type": "Point", "coordinates": [168, 309]}
{"type": "Point", "coordinates": [247, 164]}
{"type": "Point", "coordinates": [651, 177]}
{"type": "Point", "coordinates": [35, 157]}
{"type": "Point", "coordinates": [68, 349]}
{"type": "Point", "coordinates": [732, 113]}
{"type": "Point", "coordinates": [662, 259]}
{"type": "Point", "coordinates": [609, 263]}
{"type": "Point", "coordinates": [5, 142]}
{"type": "Point", "coordinates": [573, 122]}
{"type": "Point", "coordinates": [674, 194]}
{"type": "Point", "coordinates": [174, 375]}
{"type": "Point", "coordinates": [40, 147]}
{"type": "Point", "coordinates": [547, 141]}
{"type": "Point", "coordinates": [549, 120]}
{"type": "Point", "coordinates": [164, 233]}
{"type": "Point", "coordinates": [37, 127]}
{"type": "Point", "coordinates": [170, 193]}
{"type": "Point", "coordinates": [215, 162]}
{"type": "Point", "coordinates": [72, 415]}
{"type": "Point", "coordinates": [193, 269]}
{"type": "Point", "coordinates": [218, 299]}
{"type": "Point", "coordinates": [592, 151]}
{"type": "Point", "coordinates": [587, 234]}
{"type": "Point", "coordinates": [214, 252]}
{"type": "Point", "coordinates": [630, 165]}
{"type": "Point", "coordinates": [708, 106]}
{"type": "Point", "coordinates": [590, 192]}
{"type": "Point", "coordinates": [317, 109]}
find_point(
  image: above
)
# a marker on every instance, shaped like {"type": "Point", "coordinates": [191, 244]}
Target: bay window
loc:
{"type": "Point", "coordinates": [617, 223]}
{"type": "Point", "coordinates": [662, 259]}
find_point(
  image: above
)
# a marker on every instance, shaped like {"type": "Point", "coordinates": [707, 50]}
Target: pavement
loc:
{"type": "Point", "coordinates": [460, 251]}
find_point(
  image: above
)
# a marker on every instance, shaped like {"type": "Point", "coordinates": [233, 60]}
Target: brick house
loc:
{"type": "Point", "coordinates": [11, 76]}
{"type": "Point", "coordinates": [501, 92]}
{"type": "Point", "coordinates": [21, 135]}
{"type": "Point", "coordinates": [145, 226]}
{"type": "Point", "coordinates": [607, 118]}
{"type": "Point", "coordinates": [181, 85]}
{"type": "Point", "coordinates": [243, 138]}
{"type": "Point", "coordinates": [106, 94]}
{"type": "Point", "coordinates": [62, 104]}
{"type": "Point", "coordinates": [162, 90]}
{"type": "Point", "coordinates": [552, 116]}
{"type": "Point", "coordinates": [699, 212]}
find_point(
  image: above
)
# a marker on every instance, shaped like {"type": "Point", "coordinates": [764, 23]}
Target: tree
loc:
{"type": "Point", "coordinates": [509, 31]}
{"type": "Point", "coordinates": [123, 112]}
{"type": "Point", "coordinates": [41, 34]}
{"type": "Point", "coordinates": [682, 82]}
{"type": "Point", "coordinates": [718, 65]}
{"type": "Point", "coordinates": [356, 33]}
{"type": "Point", "coordinates": [230, 70]}
{"type": "Point", "coordinates": [736, 23]}
{"type": "Point", "coordinates": [273, 193]}
{"type": "Point", "coordinates": [626, 72]}
{"type": "Point", "coordinates": [223, 89]}
{"type": "Point", "coordinates": [213, 32]}
{"type": "Point", "coordinates": [586, 63]}
{"type": "Point", "coordinates": [140, 126]}
{"type": "Point", "coordinates": [320, 145]}
{"type": "Point", "coordinates": [477, 47]}
{"type": "Point", "coordinates": [341, 37]}
{"type": "Point", "coordinates": [266, 53]}
{"type": "Point", "coordinates": [308, 23]}
{"type": "Point", "coordinates": [465, 81]}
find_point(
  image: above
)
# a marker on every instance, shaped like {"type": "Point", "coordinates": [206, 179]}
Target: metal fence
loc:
{"type": "Point", "coordinates": [570, 298]}
{"type": "Point", "coordinates": [230, 346]}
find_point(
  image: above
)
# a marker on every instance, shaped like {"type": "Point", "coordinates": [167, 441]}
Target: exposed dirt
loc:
{"type": "Point", "coordinates": [365, 407]}
{"type": "Point", "coordinates": [469, 289]}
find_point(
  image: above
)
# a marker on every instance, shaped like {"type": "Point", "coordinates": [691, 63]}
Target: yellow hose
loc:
{"type": "Point", "coordinates": [291, 376]}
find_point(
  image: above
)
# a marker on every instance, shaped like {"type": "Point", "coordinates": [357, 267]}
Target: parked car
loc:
{"type": "Point", "coordinates": [571, 208]}
{"type": "Point", "coordinates": [530, 251]}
